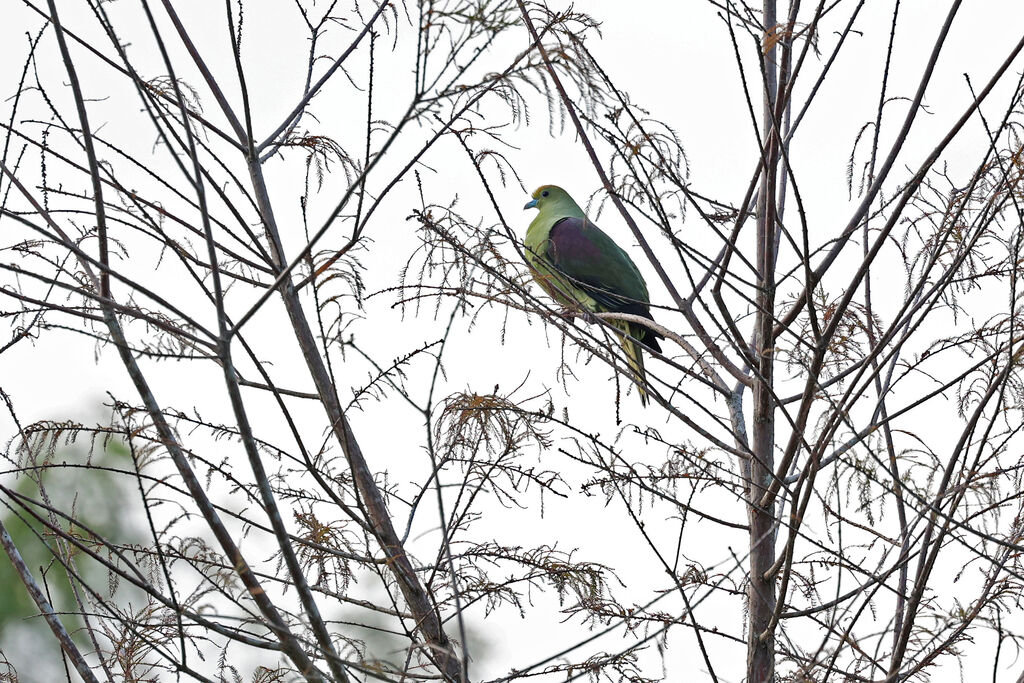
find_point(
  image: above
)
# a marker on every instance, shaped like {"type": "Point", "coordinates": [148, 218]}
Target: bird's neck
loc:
{"type": "Point", "coordinates": [563, 208]}
{"type": "Point", "coordinates": [537, 233]}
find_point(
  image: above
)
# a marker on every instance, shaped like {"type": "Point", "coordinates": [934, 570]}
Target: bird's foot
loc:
{"type": "Point", "coordinates": [570, 315]}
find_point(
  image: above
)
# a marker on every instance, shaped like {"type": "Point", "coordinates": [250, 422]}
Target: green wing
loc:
{"type": "Point", "coordinates": [599, 275]}
{"type": "Point", "coordinates": [592, 261]}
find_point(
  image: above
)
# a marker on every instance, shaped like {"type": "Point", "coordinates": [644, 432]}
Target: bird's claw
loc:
{"type": "Point", "coordinates": [567, 314]}
{"type": "Point", "coordinates": [570, 315]}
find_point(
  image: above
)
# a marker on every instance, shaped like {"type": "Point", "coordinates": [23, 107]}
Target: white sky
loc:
{"type": "Point", "coordinates": [675, 60]}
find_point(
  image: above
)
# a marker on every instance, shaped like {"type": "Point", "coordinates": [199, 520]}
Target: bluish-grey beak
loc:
{"type": "Point", "coordinates": [532, 204]}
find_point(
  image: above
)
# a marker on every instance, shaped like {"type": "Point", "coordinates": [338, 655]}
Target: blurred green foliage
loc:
{"type": "Point", "coordinates": [93, 487]}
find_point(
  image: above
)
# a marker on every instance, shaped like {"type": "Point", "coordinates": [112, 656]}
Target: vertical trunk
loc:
{"type": "Point", "coordinates": [761, 588]}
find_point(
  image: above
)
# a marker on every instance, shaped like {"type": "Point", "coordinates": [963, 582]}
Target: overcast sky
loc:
{"type": "Point", "coordinates": [675, 59]}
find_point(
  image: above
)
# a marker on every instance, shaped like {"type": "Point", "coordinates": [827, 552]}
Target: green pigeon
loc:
{"type": "Point", "coordinates": [578, 265]}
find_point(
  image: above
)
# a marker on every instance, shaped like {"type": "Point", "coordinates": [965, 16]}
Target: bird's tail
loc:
{"type": "Point", "coordinates": [634, 357]}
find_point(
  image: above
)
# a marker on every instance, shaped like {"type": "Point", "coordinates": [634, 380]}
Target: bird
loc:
{"type": "Point", "coordinates": [580, 266]}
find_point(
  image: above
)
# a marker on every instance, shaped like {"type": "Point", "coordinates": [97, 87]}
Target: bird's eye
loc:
{"type": "Point", "coordinates": [544, 193]}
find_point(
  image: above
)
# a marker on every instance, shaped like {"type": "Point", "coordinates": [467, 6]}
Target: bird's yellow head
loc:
{"type": "Point", "coordinates": [549, 196]}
